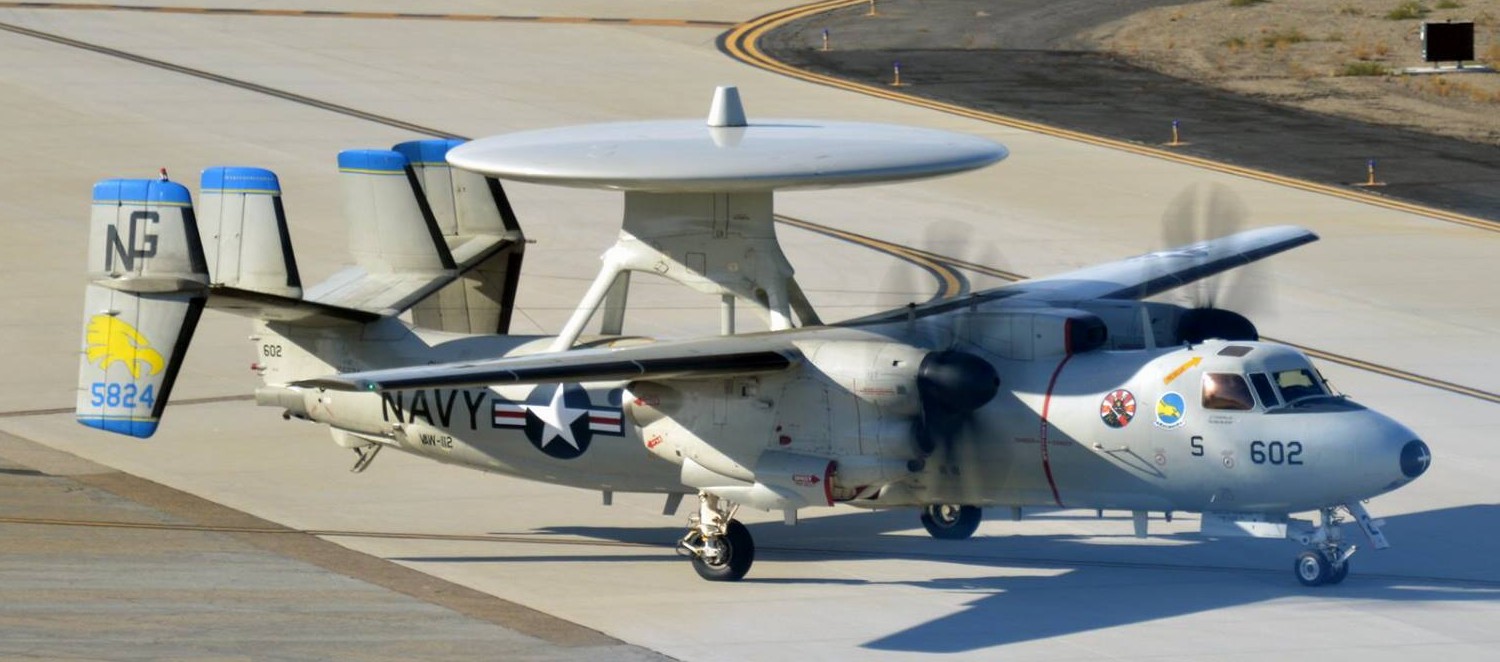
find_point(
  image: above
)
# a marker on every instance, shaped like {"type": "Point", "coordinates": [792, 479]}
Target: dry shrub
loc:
{"type": "Point", "coordinates": [1408, 10]}
{"type": "Point", "coordinates": [1364, 69]}
{"type": "Point", "coordinates": [1300, 72]}
{"type": "Point", "coordinates": [1366, 50]}
{"type": "Point", "coordinates": [1283, 38]}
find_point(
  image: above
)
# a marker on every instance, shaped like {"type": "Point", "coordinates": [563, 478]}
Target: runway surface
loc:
{"type": "Point", "coordinates": [1384, 286]}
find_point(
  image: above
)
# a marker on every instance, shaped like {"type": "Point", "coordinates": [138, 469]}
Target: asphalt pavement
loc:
{"type": "Point", "coordinates": [98, 564]}
{"type": "Point", "coordinates": [1020, 59]}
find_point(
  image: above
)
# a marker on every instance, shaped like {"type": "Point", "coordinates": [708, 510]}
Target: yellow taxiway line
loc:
{"type": "Point", "coordinates": [742, 43]}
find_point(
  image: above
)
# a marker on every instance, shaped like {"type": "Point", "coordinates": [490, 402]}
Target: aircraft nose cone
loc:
{"type": "Point", "coordinates": [1415, 458]}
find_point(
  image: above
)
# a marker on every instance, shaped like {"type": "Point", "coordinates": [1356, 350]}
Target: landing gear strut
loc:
{"type": "Point", "coordinates": [947, 521]}
{"type": "Point", "coordinates": [1326, 559]}
{"type": "Point", "coordinates": [366, 456]}
{"type": "Point", "coordinates": [720, 546]}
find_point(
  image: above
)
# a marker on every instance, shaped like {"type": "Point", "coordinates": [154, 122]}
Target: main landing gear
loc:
{"type": "Point", "coordinates": [1326, 559]}
{"type": "Point", "coordinates": [949, 521]}
{"type": "Point", "coordinates": [720, 546]}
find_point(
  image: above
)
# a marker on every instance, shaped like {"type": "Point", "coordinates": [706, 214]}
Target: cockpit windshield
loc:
{"type": "Point", "coordinates": [1298, 384]}
{"type": "Point", "coordinates": [1222, 390]}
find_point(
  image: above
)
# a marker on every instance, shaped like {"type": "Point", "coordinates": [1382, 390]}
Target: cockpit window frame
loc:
{"type": "Point", "coordinates": [1230, 392]}
{"type": "Point", "coordinates": [1260, 382]}
{"type": "Point", "coordinates": [1291, 394]}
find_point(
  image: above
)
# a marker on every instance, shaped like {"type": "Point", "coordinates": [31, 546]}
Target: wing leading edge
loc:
{"type": "Point", "coordinates": [1156, 272]}
{"type": "Point", "coordinates": [701, 359]}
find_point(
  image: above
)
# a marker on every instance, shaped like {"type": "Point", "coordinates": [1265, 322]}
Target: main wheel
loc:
{"type": "Point", "coordinates": [1312, 568]}
{"type": "Point", "coordinates": [737, 552]}
{"type": "Point", "coordinates": [951, 522]}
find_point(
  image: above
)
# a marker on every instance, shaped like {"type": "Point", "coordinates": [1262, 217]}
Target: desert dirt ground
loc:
{"type": "Point", "coordinates": [1338, 57]}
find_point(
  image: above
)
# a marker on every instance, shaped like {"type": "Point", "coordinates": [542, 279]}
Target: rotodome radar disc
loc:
{"type": "Point", "coordinates": [671, 156]}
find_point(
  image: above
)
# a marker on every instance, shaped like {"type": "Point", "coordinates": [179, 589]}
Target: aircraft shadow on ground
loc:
{"type": "Point", "coordinates": [1054, 585]}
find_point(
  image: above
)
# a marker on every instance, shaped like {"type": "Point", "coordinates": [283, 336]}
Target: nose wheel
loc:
{"type": "Point", "coordinates": [1326, 559]}
{"type": "Point", "coordinates": [719, 546]}
{"type": "Point", "coordinates": [1315, 568]}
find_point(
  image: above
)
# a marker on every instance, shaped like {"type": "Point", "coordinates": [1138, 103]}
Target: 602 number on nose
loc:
{"type": "Point", "coordinates": [1275, 452]}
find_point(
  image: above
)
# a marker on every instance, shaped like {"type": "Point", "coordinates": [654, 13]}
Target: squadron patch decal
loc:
{"type": "Point", "coordinates": [1170, 408]}
{"type": "Point", "coordinates": [1118, 408]}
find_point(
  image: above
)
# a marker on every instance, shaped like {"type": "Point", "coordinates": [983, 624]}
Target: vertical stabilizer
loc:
{"type": "Point", "coordinates": [475, 220]}
{"type": "Point", "coordinates": [246, 242]}
{"type": "Point", "coordinates": [391, 229]}
{"type": "Point", "coordinates": [148, 283]}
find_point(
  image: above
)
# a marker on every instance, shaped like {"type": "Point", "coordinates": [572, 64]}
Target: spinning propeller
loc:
{"type": "Point", "coordinates": [1200, 213]}
{"type": "Point", "coordinates": [945, 245]}
{"type": "Point", "coordinates": [952, 384]}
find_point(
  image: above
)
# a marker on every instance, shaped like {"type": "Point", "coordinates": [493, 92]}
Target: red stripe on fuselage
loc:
{"type": "Point", "coordinates": [1047, 407]}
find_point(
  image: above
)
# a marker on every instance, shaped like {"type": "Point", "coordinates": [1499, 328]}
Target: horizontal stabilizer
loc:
{"type": "Point", "coordinates": [693, 359]}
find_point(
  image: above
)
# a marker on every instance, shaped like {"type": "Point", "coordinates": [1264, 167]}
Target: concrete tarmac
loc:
{"type": "Point", "coordinates": [1057, 585]}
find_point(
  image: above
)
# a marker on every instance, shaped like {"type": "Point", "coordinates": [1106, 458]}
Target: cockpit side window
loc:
{"type": "Point", "coordinates": [1299, 383]}
{"type": "Point", "coordinates": [1226, 391]}
{"type": "Point", "coordinates": [1263, 389]}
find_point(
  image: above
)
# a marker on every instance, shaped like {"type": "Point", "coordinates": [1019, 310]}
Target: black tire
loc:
{"type": "Point", "coordinates": [951, 522]}
{"type": "Point", "coordinates": [1312, 568]}
{"type": "Point", "coordinates": [739, 553]}
{"type": "Point", "coordinates": [1338, 574]}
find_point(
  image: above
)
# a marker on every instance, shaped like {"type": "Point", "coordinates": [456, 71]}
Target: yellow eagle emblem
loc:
{"type": "Point", "coordinates": [1167, 410]}
{"type": "Point", "coordinates": [111, 339]}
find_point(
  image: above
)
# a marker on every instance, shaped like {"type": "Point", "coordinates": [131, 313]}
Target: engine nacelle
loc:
{"type": "Point", "coordinates": [1034, 334]}
{"type": "Point", "coordinates": [674, 418]}
{"type": "Point", "coordinates": [883, 374]}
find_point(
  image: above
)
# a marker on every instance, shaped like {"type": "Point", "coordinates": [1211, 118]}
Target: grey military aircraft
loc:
{"type": "Point", "coordinates": [1071, 391]}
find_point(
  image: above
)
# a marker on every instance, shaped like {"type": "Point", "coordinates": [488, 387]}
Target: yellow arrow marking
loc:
{"type": "Point", "coordinates": [1181, 369]}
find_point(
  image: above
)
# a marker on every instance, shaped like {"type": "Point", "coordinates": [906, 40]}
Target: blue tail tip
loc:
{"type": "Point", "coordinates": [372, 160]}
{"type": "Point", "coordinates": [430, 152]}
{"type": "Point", "coordinates": [141, 191]}
{"type": "Point", "coordinates": [239, 179]}
{"type": "Point", "coordinates": [129, 427]}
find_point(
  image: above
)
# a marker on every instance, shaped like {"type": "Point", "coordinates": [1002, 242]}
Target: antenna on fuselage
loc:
{"type": "Point", "coordinates": [698, 195]}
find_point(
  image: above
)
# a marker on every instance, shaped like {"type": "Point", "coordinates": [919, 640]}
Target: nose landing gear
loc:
{"type": "Point", "coordinates": [719, 545]}
{"type": "Point", "coordinates": [1326, 559]}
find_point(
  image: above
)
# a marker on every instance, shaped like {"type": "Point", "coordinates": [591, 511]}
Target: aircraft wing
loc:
{"type": "Point", "coordinates": [1153, 273]}
{"type": "Point", "coordinates": [702, 358]}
